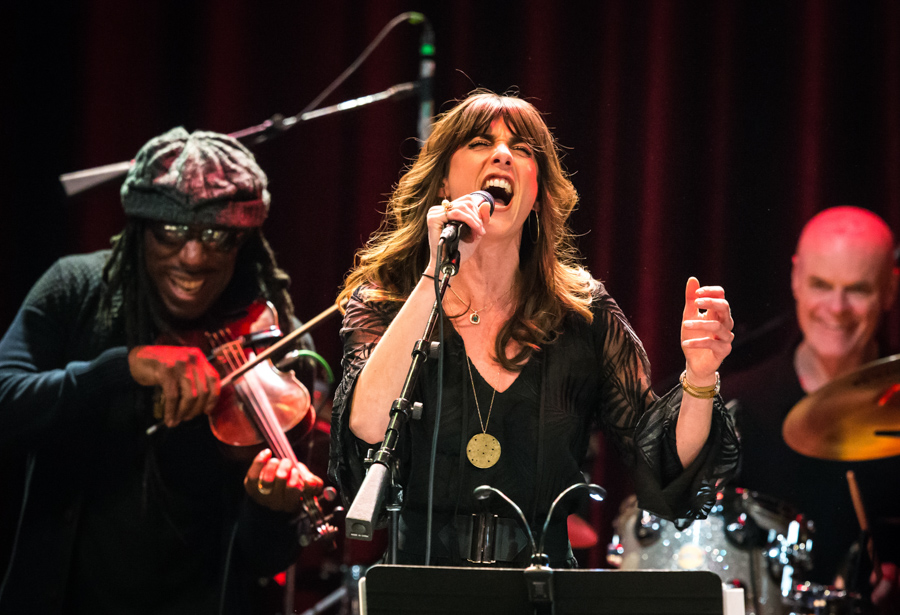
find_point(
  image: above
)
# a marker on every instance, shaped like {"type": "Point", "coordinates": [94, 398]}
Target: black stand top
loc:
{"type": "Point", "coordinates": [437, 590]}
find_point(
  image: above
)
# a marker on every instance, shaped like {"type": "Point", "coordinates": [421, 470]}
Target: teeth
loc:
{"type": "Point", "coordinates": [497, 182]}
{"type": "Point", "coordinates": [187, 285]}
{"type": "Point", "coordinates": [499, 188]}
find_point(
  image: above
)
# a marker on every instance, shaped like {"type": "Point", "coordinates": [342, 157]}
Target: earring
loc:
{"type": "Point", "coordinates": [537, 221]}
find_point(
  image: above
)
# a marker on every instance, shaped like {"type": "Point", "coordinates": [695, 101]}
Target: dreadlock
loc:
{"type": "Point", "coordinates": [125, 285]}
{"type": "Point", "coordinates": [272, 282]}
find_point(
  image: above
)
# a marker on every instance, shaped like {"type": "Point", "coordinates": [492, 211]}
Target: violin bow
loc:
{"type": "Point", "coordinates": [287, 339]}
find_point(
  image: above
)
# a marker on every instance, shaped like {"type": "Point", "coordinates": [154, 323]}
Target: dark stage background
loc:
{"type": "Point", "coordinates": [701, 135]}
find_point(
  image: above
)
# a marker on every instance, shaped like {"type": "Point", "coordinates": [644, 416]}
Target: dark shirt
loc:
{"type": "Point", "coordinates": [593, 375]}
{"type": "Point", "coordinates": [814, 487]}
{"type": "Point", "coordinates": [115, 521]}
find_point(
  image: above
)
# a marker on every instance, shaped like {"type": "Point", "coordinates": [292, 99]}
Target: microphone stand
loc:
{"type": "Point", "coordinates": [278, 124]}
{"type": "Point", "coordinates": [426, 75]}
{"type": "Point", "coordinates": [539, 575]}
{"type": "Point", "coordinates": [79, 181]}
{"type": "Point", "coordinates": [364, 511]}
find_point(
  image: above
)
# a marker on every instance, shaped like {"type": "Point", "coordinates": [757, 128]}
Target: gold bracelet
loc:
{"type": "Point", "coordinates": [707, 392]}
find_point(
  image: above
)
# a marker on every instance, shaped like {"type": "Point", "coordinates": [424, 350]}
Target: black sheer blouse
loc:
{"type": "Point", "coordinates": [594, 375]}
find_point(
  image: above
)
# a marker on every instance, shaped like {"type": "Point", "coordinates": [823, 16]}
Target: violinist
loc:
{"type": "Point", "coordinates": [116, 520]}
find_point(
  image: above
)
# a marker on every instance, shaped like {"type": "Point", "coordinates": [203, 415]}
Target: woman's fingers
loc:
{"type": "Point", "coordinates": [706, 327]}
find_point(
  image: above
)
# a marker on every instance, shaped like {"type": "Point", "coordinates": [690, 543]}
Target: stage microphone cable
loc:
{"type": "Point", "coordinates": [429, 514]}
{"type": "Point", "coordinates": [79, 181]}
{"type": "Point", "coordinates": [412, 17]}
{"type": "Point", "coordinates": [26, 491]}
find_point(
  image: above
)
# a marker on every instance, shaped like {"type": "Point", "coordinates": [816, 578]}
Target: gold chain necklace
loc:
{"type": "Point", "coordinates": [483, 449]}
{"type": "Point", "coordinates": [474, 318]}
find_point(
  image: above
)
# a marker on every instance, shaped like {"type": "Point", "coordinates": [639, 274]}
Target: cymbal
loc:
{"type": "Point", "coordinates": [841, 421]}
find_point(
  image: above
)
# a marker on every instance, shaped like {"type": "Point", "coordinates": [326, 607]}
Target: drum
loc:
{"type": "Point", "coordinates": [749, 540]}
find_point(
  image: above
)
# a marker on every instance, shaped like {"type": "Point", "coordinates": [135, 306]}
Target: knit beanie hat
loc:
{"type": "Point", "coordinates": [202, 178]}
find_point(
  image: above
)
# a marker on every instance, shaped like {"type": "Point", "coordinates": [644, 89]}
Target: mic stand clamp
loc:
{"type": "Point", "coordinates": [450, 260]}
{"type": "Point", "coordinates": [394, 506]}
{"type": "Point", "coordinates": [367, 505]}
{"type": "Point", "coordinates": [539, 575]}
{"type": "Point", "coordinates": [539, 581]}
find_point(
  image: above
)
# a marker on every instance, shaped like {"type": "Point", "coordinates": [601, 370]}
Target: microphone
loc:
{"type": "Point", "coordinates": [539, 575]}
{"type": "Point", "coordinates": [596, 492]}
{"type": "Point", "coordinates": [538, 557]}
{"type": "Point", "coordinates": [426, 76]}
{"type": "Point", "coordinates": [484, 492]}
{"type": "Point", "coordinates": [451, 233]}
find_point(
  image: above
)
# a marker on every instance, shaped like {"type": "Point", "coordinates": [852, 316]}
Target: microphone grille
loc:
{"type": "Point", "coordinates": [487, 196]}
{"type": "Point", "coordinates": [482, 493]}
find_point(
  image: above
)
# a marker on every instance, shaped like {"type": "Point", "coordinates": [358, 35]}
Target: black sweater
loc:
{"type": "Point", "coordinates": [116, 521]}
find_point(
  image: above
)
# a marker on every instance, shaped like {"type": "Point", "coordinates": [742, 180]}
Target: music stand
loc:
{"type": "Point", "coordinates": [438, 590]}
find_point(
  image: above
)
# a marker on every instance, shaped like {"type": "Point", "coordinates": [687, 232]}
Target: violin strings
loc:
{"type": "Point", "coordinates": [234, 356]}
{"type": "Point", "coordinates": [263, 408]}
{"type": "Point", "coordinates": [266, 422]}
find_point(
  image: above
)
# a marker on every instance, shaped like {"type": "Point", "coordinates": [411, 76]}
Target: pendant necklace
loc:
{"type": "Point", "coordinates": [483, 449]}
{"type": "Point", "coordinates": [474, 318]}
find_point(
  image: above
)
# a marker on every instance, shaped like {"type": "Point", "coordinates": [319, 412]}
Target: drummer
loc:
{"type": "Point", "coordinates": [844, 278]}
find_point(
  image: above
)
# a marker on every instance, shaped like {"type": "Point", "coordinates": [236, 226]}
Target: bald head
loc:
{"type": "Point", "coordinates": [848, 225]}
{"type": "Point", "coordinates": [844, 278]}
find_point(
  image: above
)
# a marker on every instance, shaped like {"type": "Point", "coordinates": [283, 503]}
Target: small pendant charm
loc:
{"type": "Point", "coordinates": [474, 318]}
{"type": "Point", "coordinates": [483, 450]}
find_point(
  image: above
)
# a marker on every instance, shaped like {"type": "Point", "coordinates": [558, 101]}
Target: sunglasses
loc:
{"type": "Point", "coordinates": [176, 235]}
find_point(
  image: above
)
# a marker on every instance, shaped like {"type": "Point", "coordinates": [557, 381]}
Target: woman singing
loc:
{"type": "Point", "coordinates": [537, 353]}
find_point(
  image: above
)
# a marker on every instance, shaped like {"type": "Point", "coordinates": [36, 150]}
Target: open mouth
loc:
{"type": "Point", "coordinates": [500, 189]}
{"type": "Point", "coordinates": [188, 286]}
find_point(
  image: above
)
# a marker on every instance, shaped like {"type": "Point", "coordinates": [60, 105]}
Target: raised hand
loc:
{"type": "Point", "coordinates": [706, 335]}
{"type": "Point", "coordinates": [473, 211]}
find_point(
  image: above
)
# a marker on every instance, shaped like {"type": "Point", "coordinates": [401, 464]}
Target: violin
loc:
{"type": "Point", "coordinates": [264, 403]}
{"type": "Point", "coordinates": [259, 403]}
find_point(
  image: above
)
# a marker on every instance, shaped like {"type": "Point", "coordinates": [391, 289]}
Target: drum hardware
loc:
{"type": "Point", "coordinates": [741, 529]}
{"type": "Point", "coordinates": [788, 556]}
{"type": "Point", "coordinates": [814, 599]}
{"type": "Point", "coordinates": [852, 418]}
{"type": "Point", "coordinates": [749, 540]}
{"type": "Point", "coordinates": [647, 529]}
{"type": "Point", "coordinates": [867, 543]}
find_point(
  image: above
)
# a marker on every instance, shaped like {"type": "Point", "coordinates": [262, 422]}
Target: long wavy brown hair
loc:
{"type": "Point", "coordinates": [550, 283]}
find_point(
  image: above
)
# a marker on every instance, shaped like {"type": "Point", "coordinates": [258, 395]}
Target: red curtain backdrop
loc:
{"type": "Point", "coordinates": [701, 135]}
